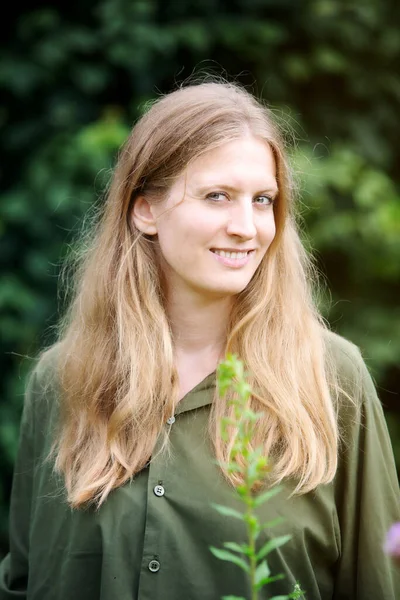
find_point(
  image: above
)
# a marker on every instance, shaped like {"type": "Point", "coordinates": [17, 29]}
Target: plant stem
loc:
{"type": "Point", "coordinates": [252, 542]}
{"type": "Point", "coordinates": [253, 564]}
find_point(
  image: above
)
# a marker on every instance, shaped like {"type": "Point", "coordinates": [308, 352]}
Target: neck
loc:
{"type": "Point", "coordinates": [198, 325]}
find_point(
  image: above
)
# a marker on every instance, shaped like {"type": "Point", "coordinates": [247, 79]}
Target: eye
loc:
{"type": "Point", "coordinates": [265, 200]}
{"type": "Point", "coordinates": [216, 196]}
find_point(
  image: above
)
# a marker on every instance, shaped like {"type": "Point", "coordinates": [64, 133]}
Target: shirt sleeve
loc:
{"type": "Point", "coordinates": [368, 502]}
{"type": "Point", "coordinates": [14, 567]}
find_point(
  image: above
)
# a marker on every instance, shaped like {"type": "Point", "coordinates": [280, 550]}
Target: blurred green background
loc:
{"type": "Point", "coordinates": [72, 83]}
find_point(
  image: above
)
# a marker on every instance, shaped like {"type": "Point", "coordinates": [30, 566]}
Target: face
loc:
{"type": "Point", "coordinates": [217, 223]}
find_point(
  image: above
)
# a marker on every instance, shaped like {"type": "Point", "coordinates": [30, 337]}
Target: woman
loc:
{"type": "Point", "coordinates": [197, 254]}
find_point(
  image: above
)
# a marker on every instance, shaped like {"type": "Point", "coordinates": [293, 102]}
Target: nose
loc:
{"type": "Point", "coordinates": [241, 221]}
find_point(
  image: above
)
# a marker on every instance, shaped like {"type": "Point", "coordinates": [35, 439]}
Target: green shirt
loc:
{"type": "Point", "coordinates": [151, 538]}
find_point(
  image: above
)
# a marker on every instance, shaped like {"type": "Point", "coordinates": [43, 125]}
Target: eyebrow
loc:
{"type": "Point", "coordinates": [212, 186]}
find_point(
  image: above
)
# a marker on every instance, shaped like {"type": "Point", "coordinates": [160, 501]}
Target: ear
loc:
{"type": "Point", "coordinates": [142, 216]}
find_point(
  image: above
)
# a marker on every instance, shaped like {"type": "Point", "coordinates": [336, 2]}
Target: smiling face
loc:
{"type": "Point", "coordinates": [217, 223]}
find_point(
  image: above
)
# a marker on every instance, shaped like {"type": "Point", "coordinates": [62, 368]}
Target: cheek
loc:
{"type": "Point", "coordinates": [175, 239]}
{"type": "Point", "coordinates": [191, 226]}
{"type": "Point", "coordinates": [273, 230]}
{"type": "Point", "coordinates": [268, 230]}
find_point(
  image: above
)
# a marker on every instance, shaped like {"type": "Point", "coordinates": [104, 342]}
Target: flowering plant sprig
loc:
{"type": "Point", "coordinates": [253, 561]}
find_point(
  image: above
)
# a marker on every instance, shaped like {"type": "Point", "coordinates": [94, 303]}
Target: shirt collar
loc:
{"type": "Point", "coordinates": [201, 395]}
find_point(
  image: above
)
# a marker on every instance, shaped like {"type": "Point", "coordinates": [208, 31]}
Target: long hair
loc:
{"type": "Point", "coordinates": [115, 354]}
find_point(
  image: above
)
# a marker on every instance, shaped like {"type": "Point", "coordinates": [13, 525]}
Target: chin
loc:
{"type": "Point", "coordinates": [220, 289]}
{"type": "Point", "coordinates": [225, 292]}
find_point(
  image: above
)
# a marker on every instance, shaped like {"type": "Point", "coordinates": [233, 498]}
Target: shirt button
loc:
{"type": "Point", "coordinates": [154, 566]}
{"type": "Point", "coordinates": [159, 490]}
{"type": "Point", "coordinates": [171, 420]}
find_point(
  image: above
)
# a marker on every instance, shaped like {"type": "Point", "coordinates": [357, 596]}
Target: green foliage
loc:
{"type": "Point", "coordinates": [74, 79]}
{"type": "Point", "coordinates": [353, 216]}
{"type": "Point", "coordinates": [253, 562]}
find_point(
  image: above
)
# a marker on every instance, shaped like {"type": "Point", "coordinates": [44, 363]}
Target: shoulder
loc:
{"type": "Point", "coordinates": [47, 365]}
{"type": "Point", "coordinates": [42, 389]}
{"type": "Point", "coordinates": [356, 393]}
{"type": "Point", "coordinates": [341, 350]}
{"type": "Point", "coordinates": [344, 359]}
{"type": "Point", "coordinates": [353, 387]}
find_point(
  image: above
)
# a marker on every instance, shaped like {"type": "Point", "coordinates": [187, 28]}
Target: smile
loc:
{"type": "Point", "coordinates": [230, 254]}
{"type": "Point", "coordinates": [232, 259]}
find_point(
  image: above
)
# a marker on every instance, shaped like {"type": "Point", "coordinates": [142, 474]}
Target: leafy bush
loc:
{"type": "Point", "coordinates": [73, 81]}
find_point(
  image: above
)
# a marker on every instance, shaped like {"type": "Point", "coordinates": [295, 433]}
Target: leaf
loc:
{"type": "Point", "coordinates": [229, 466]}
{"type": "Point", "coordinates": [253, 471]}
{"type": "Point", "coordinates": [262, 572]}
{"type": "Point", "coordinates": [224, 555]}
{"type": "Point", "coordinates": [269, 580]}
{"type": "Point", "coordinates": [272, 545]}
{"type": "Point", "coordinates": [241, 548]}
{"type": "Point", "coordinates": [267, 495]}
{"type": "Point", "coordinates": [233, 598]}
{"type": "Point", "coordinates": [227, 511]}
{"type": "Point", "coordinates": [244, 389]}
{"type": "Point", "coordinates": [228, 421]}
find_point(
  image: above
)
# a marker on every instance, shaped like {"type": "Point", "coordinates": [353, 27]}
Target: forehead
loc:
{"type": "Point", "coordinates": [244, 161]}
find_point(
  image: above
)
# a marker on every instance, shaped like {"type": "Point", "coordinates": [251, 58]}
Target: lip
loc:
{"type": "Point", "coordinates": [233, 249]}
{"type": "Point", "coordinates": [234, 263]}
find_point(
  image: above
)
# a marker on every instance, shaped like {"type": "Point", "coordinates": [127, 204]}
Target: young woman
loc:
{"type": "Point", "coordinates": [197, 254]}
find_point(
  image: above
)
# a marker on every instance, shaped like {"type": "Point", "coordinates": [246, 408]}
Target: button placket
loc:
{"type": "Point", "coordinates": [158, 498]}
{"type": "Point", "coordinates": [152, 550]}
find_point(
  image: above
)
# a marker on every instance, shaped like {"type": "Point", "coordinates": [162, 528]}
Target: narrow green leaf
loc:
{"type": "Point", "coordinates": [233, 598]}
{"type": "Point", "coordinates": [230, 466]}
{"type": "Point", "coordinates": [269, 580]}
{"type": "Point", "coordinates": [227, 511]}
{"type": "Point", "coordinates": [244, 389]}
{"type": "Point", "coordinates": [262, 572]}
{"type": "Point", "coordinates": [272, 545]}
{"type": "Point", "coordinates": [241, 548]}
{"type": "Point", "coordinates": [253, 472]}
{"type": "Point", "coordinates": [228, 421]}
{"type": "Point", "coordinates": [267, 495]}
{"type": "Point", "coordinates": [224, 555]}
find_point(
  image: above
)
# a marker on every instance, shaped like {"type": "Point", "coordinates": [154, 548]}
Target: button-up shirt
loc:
{"type": "Point", "coordinates": [150, 540]}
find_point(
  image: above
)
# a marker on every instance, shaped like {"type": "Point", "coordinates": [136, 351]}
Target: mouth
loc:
{"type": "Point", "coordinates": [234, 254]}
{"type": "Point", "coordinates": [235, 260]}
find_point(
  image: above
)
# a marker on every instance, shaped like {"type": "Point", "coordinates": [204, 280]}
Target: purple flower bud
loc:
{"type": "Point", "coordinates": [392, 543]}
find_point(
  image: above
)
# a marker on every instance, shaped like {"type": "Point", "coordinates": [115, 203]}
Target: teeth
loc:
{"type": "Point", "coordinates": [231, 254]}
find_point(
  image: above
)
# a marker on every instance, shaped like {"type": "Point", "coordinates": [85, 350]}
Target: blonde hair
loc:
{"type": "Point", "coordinates": [115, 352]}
